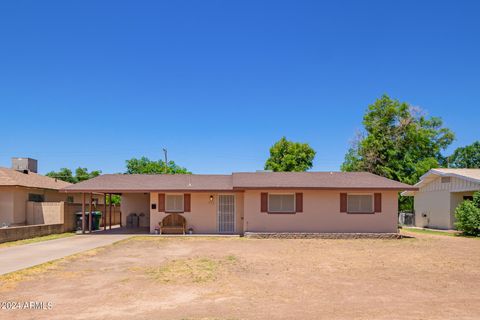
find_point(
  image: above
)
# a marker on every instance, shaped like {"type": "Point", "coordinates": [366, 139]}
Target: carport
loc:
{"type": "Point", "coordinates": [134, 212]}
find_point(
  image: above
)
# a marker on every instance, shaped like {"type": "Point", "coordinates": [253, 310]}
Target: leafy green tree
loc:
{"type": "Point", "coordinates": [116, 199]}
{"type": "Point", "coordinates": [467, 215]}
{"type": "Point", "coordinates": [64, 174]}
{"type": "Point", "coordinates": [81, 174]}
{"type": "Point", "coordinates": [398, 143]}
{"type": "Point", "coordinates": [466, 157]}
{"type": "Point", "coordinates": [147, 166]}
{"type": "Point", "coordinates": [290, 156]}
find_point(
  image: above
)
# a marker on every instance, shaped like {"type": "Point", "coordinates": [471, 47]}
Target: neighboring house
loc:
{"type": "Point", "coordinates": [439, 193]}
{"type": "Point", "coordinates": [258, 202]}
{"type": "Point", "coordinates": [22, 184]}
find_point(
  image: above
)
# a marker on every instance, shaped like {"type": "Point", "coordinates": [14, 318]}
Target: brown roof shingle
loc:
{"type": "Point", "coordinates": [11, 177]}
{"type": "Point", "coordinates": [315, 180]}
{"type": "Point", "coordinates": [154, 182]}
{"type": "Point", "coordinates": [236, 181]}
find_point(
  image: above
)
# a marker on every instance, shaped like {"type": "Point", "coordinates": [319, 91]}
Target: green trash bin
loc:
{"type": "Point", "coordinates": [96, 217]}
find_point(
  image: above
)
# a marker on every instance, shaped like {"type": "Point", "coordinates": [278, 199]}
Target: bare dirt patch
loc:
{"type": "Point", "coordinates": [427, 277]}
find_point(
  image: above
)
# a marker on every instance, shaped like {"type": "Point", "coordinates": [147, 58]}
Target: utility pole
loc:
{"type": "Point", "coordinates": [166, 163]}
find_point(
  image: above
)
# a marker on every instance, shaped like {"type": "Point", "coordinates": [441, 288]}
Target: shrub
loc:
{"type": "Point", "coordinates": [476, 199]}
{"type": "Point", "coordinates": [468, 216]}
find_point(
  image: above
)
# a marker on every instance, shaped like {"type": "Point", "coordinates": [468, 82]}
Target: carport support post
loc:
{"type": "Point", "coordinates": [83, 212]}
{"type": "Point", "coordinates": [90, 214]}
{"type": "Point", "coordinates": [110, 209]}
{"type": "Point", "coordinates": [104, 211]}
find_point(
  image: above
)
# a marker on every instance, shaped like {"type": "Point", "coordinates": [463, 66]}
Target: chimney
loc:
{"type": "Point", "coordinates": [24, 165]}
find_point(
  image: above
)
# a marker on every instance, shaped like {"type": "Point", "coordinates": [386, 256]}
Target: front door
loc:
{"type": "Point", "coordinates": [226, 213]}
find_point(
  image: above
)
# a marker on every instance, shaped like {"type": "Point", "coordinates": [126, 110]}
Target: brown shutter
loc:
{"type": "Point", "coordinates": [298, 202]}
{"type": "Point", "coordinates": [343, 202]}
{"type": "Point", "coordinates": [264, 202]}
{"type": "Point", "coordinates": [161, 202]}
{"type": "Point", "coordinates": [378, 202]}
{"type": "Point", "coordinates": [186, 202]}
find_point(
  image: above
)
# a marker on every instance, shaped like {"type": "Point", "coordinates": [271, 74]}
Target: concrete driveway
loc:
{"type": "Point", "coordinates": [28, 255]}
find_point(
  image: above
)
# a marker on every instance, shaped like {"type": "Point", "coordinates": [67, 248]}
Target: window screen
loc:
{"type": "Point", "coordinates": [281, 203]}
{"type": "Point", "coordinates": [174, 203]}
{"type": "Point", "coordinates": [360, 203]}
{"type": "Point", "coordinates": [36, 197]}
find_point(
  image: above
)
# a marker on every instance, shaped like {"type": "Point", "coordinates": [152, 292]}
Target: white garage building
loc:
{"type": "Point", "coordinates": [440, 192]}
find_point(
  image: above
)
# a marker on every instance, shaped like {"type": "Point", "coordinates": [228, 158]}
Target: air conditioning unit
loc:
{"type": "Point", "coordinates": [24, 165]}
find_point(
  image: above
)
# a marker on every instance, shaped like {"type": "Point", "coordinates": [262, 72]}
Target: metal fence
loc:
{"type": "Point", "coordinates": [406, 218]}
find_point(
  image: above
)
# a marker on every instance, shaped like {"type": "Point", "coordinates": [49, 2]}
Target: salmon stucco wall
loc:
{"type": "Point", "coordinates": [6, 206]}
{"type": "Point", "coordinates": [202, 217]}
{"type": "Point", "coordinates": [13, 203]}
{"type": "Point", "coordinates": [321, 213]}
{"type": "Point", "coordinates": [135, 203]}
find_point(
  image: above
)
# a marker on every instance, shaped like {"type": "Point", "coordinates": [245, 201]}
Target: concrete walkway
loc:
{"type": "Point", "coordinates": [29, 255]}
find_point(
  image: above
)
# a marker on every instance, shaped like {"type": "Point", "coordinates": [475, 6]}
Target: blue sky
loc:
{"type": "Point", "coordinates": [93, 83]}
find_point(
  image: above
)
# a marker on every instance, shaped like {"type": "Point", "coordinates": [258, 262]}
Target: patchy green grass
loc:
{"type": "Point", "coordinates": [436, 232]}
{"type": "Point", "coordinates": [430, 232]}
{"type": "Point", "coordinates": [194, 270]}
{"type": "Point", "coordinates": [231, 258]}
{"type": "Point", "coordinates": [197, 270]}
{"type": "Point", "coordinates": [37, 239]}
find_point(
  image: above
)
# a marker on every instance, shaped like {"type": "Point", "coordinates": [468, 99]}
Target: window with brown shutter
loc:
{"type": "Point", "coordinates": [378, 202]}
{"type": "Point", "coordinates": [186, 202]}
{"type": "Point", "coordinates": [174, 203]}
{"type": "Point", "coordinates": [281, 203]}
{"type": "Point", "coordinates": [343, 202]}
{"type": "Point", "coordinates": [299, 202]}
{"type": "Point", "coordinates": [360, 203]}
{"type": "Point", "coordinates": [161, 202]}
{"type": "Point", "coordinates": [264, 202]}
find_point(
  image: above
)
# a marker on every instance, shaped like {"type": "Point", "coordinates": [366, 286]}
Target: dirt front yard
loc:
{"type": "Point", "coordinates": [428, 277]}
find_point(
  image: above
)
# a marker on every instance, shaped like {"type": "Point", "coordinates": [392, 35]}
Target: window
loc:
{"type": "Point", "coordinates": [445, 179]}
{"type": "Point", "coordinates": [468, 198]}
{"type": "Point", "coordinates": [174, 203]}
{"type": "Point", "coordinates": [281, 202]}
{"type": "Point", "coordinates": [360, 203]}
{"type": "Point", "coordinates": [36, 197]}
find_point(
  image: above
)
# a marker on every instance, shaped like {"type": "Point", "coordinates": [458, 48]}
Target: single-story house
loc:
{"type": "Point", "coordinates": [439, 193]}
{"type": "Point", "coordinates": [21, 184]}
{"type": "Point", "coordinates": [333, 202]}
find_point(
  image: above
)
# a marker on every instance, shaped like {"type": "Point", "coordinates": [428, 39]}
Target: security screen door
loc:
{"type": "Point", "coordinates": [226, 213]}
